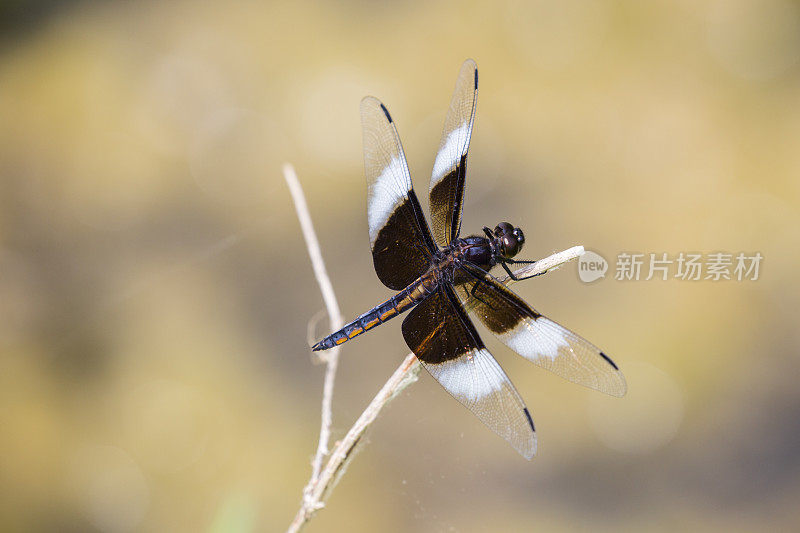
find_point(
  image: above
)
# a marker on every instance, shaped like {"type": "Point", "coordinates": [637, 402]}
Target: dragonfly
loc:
{"type": "Point", "coordinates": [442, 279]}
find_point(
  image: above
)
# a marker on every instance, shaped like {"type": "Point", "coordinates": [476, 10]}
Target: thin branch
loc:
{"type": "Point", "coordinates": [405, 375]}
{"type": "Point", "coordinates": [547, 264]}
{"type": "Point", "coordinates": [331, 357]}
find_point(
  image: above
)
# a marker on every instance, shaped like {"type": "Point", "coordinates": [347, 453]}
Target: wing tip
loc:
{"type": "Point", "coordinates": [530, 451]}
{"type": "Point", "coordinates": [386, 112]}
{"type": "Point", "coordinates": [371, 102]}
{"type": "Point", "coordinates": [530, 420]}
{"type": "Point", "coordinates": [609, 361]}
{"type": "Point", "coordinates": [623, 388]}
{"type": "Point", "coordinates": [469, 63]}
{"type": "Point", "coordinates": [371, 106]}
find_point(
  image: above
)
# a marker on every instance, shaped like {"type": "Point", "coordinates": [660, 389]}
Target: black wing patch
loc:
{"type": "Point", "coordinates": [536, 337]}
{"type": "Point", "coordinates": [450, 167]}
{"type": "Point", "coordinates": [398, 233]}
{"type": "Point", "coordinates": [446, 343]}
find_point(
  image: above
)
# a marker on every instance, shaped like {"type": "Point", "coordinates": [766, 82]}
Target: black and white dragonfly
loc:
{"type": "Point", "coordinates": [441, 277]}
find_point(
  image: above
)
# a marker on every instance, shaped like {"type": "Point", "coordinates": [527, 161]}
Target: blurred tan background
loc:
{"type": "Point", "coordinates": [155, 289]}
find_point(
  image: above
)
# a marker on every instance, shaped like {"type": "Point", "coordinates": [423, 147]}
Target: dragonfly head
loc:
{"type": "Point", "coordinates": [509, 239]}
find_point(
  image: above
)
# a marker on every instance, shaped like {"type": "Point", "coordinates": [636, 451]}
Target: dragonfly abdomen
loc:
{"type": "Point", "coordinates": [394, 306]}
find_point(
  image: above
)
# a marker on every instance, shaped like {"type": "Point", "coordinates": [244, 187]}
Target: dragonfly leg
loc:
{"type": "Point", "coordinates": [474, 291]}
{"type": "Point", "coordinates": [505, 262]}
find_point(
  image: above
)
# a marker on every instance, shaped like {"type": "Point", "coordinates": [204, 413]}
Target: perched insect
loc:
{"type": "Point", "coordinates": [442, 276]}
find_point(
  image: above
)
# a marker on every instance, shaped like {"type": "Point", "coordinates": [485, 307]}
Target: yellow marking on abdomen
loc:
{"type": "Point", "coordinates": [373, 323]}
{"type": "Point", "coordinates": [355, 332]}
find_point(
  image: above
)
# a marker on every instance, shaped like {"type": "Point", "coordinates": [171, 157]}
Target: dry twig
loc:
{"type": "Point", "coordinates": [547, 264]}
{"type": "Point", "coordinates": [405, 375]}
{"type": "Point", "coordinates": [331, 358]}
